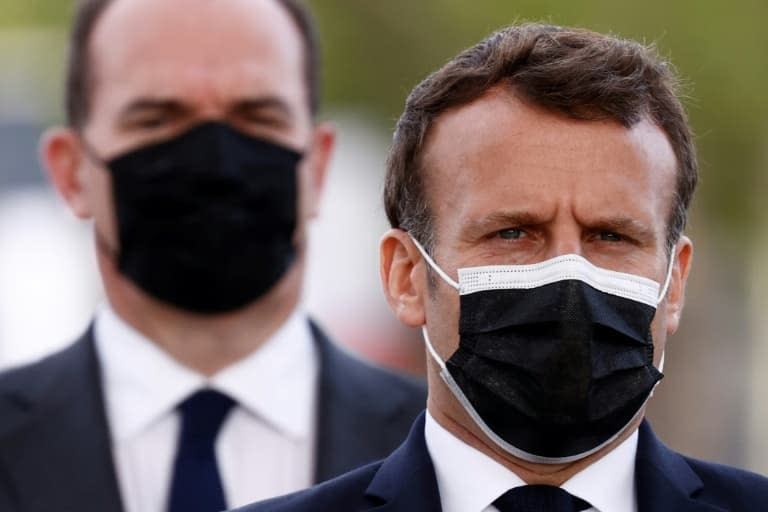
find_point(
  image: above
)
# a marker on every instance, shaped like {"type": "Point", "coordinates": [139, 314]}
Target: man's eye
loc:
{"type": "Point", "coordinates": [608, 236]}
{"type": "Point", "coordinates": [511, 234]}
{"type": "Point", "coordinates": [264, 119]}
{"type": "Point", "coordinates": [151, 122]}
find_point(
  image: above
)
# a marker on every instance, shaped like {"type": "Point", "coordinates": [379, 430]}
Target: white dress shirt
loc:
{"type": "Point", "coordinates": [470, 481]}
{"type": "Point", "coordinates": [266, 444]}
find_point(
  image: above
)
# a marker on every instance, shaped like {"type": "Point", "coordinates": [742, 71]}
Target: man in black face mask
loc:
{"type": "Point", "coordinates": [537, 189]}
{"type": "Point", "coordinates": [201, 385]}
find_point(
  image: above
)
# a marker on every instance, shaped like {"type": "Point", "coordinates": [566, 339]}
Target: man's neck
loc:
{"type": "Point", "coordinates": [205, 343]}
{"type": "Point", "coordinates": [458, 422]}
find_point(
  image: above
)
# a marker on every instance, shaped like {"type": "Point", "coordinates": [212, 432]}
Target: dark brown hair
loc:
{"type": "Point", "coordinates": [577, 73]}
{"type": "Point", "coordinates": [79, 82]}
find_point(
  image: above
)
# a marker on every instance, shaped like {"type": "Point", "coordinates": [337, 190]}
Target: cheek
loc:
{"type": "Point", "coordinates": [306, 203]}
{"type": "Point", "coordinates": [442, 308]}
{"type": "Point", "coordinates": [98, 191]}
{"type": "Point", "coordinates": [306, 200]}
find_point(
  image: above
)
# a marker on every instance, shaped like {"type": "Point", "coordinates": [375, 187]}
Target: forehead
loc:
{"type": "Point", "coordinates": [500, 152]}
{"type": "Point", "coordinates": [200, 50]}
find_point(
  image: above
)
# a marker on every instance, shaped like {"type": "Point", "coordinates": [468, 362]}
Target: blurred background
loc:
{"type": "Point", "coordinates": [713, 402]}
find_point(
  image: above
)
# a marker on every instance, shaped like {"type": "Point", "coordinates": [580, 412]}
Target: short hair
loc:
{"type": "Point", "coordinates": [577, 73]}
{"type": "Point", "coordinates": [79, 82]}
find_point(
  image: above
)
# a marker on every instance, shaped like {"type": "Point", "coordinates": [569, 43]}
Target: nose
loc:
{"type": "Point", "coordinates": [565, 239]}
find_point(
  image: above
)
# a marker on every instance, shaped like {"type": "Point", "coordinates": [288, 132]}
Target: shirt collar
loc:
{"type": "Point", "coordinates": [470, 481]}
{"type": "Point", "coordinates": [143, 383]}
{"type": "Point", "coordinates": [608, 484]}
{"type": "Point", "coordinates": [276, 383]}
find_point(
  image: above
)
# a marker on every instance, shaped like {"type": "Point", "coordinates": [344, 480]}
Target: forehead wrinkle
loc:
{"type": "Point", "coordinates": [227, 84]}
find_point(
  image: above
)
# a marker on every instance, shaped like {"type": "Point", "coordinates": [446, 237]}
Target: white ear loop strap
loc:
{"type": "Point", "coordinates": [668, 280]}
{"type": "Point", "coordinates": [431, 349]}
{"type": "Point", "coordinates": [434, 266]}
{"type": "Point", "coordinates": [663, 294]}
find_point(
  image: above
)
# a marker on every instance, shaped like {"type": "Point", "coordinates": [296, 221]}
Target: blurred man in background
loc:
{"type": "Point", "coordinates": [538, 187]}
{"type": "Point", "coordinates": [200, 385]}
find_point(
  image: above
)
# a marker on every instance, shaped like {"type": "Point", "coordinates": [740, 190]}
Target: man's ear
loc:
{"type": "Point", "coordinates": [402, 277]}
{"type": "Point", "coordinates": [676, 293]}
{"type": "Point", "coordinates": [323, 144]}
{"type": "Point", "coordinates": [62, 156]}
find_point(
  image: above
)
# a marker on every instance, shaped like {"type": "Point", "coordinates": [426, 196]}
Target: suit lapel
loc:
{"type": "Point", "coordinates": [664, 479]}
{"type": "Point", "coordinates": [406, 480]}
{"type": "Point", "coordinates": [59, 449]}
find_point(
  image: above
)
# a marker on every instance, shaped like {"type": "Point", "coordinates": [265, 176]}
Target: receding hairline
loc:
{"type": "Point", "coordinates": [90, 19]}
{"type": "Point", "coordinates": [508, 91]}
{"type": "Point", "coordinates": [102, 28]}
{"type": "Point", "coordinates": [512, 96]}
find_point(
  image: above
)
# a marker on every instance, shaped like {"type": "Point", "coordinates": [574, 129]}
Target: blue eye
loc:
{"type": "Point", "coordinates": [511, 234]}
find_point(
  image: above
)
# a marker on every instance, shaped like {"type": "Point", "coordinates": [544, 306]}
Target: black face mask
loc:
{"type": "Point", "coordinates": [206, 220]}
{"type": "Point", "coordinates": [555, 359]}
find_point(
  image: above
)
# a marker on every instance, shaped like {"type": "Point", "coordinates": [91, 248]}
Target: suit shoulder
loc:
{"type": "Point", "coordinates": [345, 492]}
{"type": "Point", "coordinates": [367, 379]}
{"type": "Point", "coordinates": [739, 488]}
{"type": "Point", "coordinates": [21, 383]}
{"type": "Point", "coordinates": [384, 377]}
{"type": "Point", "coordinates": [18, 377]}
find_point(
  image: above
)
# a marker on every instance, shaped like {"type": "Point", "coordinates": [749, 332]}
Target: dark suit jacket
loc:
{"type": "Point", "coordinates": [405, 482]}
{"type": "Point", "coordinates": [55, 448]}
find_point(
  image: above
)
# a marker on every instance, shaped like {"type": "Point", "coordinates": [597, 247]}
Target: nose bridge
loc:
{"type": "Point", "coordinates": [565, 236]}
{"type": "Point", "coordinates": [211, 106]}
{"type": "Point", "coordinates": [206, 89]}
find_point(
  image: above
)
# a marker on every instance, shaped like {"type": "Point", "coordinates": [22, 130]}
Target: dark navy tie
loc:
{"type": "Point", "coordinates": [196, 484]}
{"type": "Point", "coordinates": [539, 498]}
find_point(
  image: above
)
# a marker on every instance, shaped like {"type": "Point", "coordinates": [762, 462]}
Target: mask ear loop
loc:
{"type": "Point", "coordinates": [451, 282]}
{"type": "Point", "coordinates": [663, 294]}
{"type": "Point", "coordinates": [665, 288]}
{"type": "Point", "coordinates": [432, 264]}
{"type": "Point", "coordinates": [432, 351]}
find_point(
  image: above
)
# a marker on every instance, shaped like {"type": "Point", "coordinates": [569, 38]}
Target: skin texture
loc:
{"type": "Point", "coordinates": [159, 69]}
{"type": "Point", "coordinates": [510, 183]}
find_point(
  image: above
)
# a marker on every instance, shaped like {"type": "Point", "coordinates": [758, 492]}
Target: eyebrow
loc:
{"type": "Point", "coordinates": [497, 220]}
{"type": "Point", "coordinates": [268, 104]}
{"type": "Point", "coordinates": [628, 225]}
{"type": "Point", "coordinates": [144, 105]}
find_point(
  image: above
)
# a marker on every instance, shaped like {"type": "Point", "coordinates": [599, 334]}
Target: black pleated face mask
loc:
{"type": "Point", "coordinates": [206, 220]}
{"type": "Point", "coordinates": [555, 359]}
